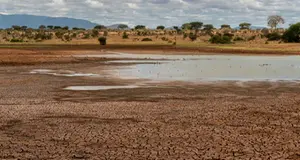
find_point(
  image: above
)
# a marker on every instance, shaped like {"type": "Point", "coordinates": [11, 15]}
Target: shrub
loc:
{"type": "Point", "coordinates": [67, 37]}
{"type": "Point", "coordinates": [251, 38]}
{"type": "Point", "coordinates": [43, 36]}
{"type": "Point", "coordinates": [185, 35]}
{"type": "Point", "coordinates": [16, 40]}
{"type": "Point", "coordinates": [146, 39]}
{"type": "Point", "coordinates": [228, 35]}
{"type": "Point", "coordinates": [95, 33]}
{"type": "Point", "coordinates": [59, 34]}
{"type": "Point", "coordinates": [192, 36]}
{"type": "Point", "coordinates": [125, 35]}
{"type": "Point", "coordinates": [292, 34]}
{"type": "Point", "coordinates": [164, 39]}
{"type": "Point", "coordinates": [218, 39]}
{"type": "Point", "coordinates": [86, 36]}
{"type": "Point", "coordinates": [275, 36]}
{"type": "Point", "coordinates": [74, 35]}
{"type": "Point", "coordinates": [102, 40]}
{"type": "Point", "coordinates": [105, 33]}
{"type": "Point", "coordinates": [238, 39]}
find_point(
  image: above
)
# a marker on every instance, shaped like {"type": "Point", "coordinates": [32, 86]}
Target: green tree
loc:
{"type": "Point", "coordinates": [292, 34]}
{"type": "Point", "coordinates": [100, 27]}
{"type": "Point", "coordinates": [208, 28]}
{"type": "Point", "coordinates": [16, 27]}
{"type": "Point", "coordinates": [223, 26]}
{"type": "Point", "coordinates": [192, 36]}
{"type": "Point", "coordinates": [24, 28]}
{"type": "Point", "coordinates": [160, 27]}
{"type": "Point", "coordinates": [245, 25]}
{"type": "Point", "coordinates": [196, 25]}
{"type": "Point", "coordinates": [95, 33]}
{"type": "Point", "coordinates": [42, 27]}
{"type": "Point", "coordinates": [274, 20]}
{"type": "Point", "coordinates": [178, 30]}
{"type": "Point", "coordinates": [102, 40]}
{"type": "Point", "coordinates": [186, 26]}
{"type": "Point", "coordinates": [125, 35]}
{"type": "Point", "coordinates": [122, 26]}
{"type": "Point", "coordinates": [57, 27]}
{"type": "Point", "coordinates": [50, 27]}
{"type": "Point", "coordinates": [139, 27]}
{"type": "Point", "coordinates": [65, 28]}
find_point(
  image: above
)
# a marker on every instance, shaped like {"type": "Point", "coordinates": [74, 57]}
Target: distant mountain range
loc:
{"type": "Point", "coordinates": [31, 21]}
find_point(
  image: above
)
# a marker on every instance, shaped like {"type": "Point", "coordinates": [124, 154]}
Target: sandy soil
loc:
{"type": "Point", "coordinates": [40, 120]}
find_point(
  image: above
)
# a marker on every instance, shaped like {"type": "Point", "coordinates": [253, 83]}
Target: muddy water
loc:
{"type": "Point", "coordinates": [215, 68]}
{"type": "Point", "coordinates": [187, 68]}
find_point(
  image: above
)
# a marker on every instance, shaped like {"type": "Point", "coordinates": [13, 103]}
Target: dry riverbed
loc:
{"type": "Point", "coordinates": [41, 119]}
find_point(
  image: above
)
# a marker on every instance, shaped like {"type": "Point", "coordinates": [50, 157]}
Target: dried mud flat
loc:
{"type": "Point", "coordinates": [40, 120]}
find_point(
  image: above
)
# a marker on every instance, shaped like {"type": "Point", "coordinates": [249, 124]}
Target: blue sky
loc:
{"type": "Point", "coordinates": [156, 12]}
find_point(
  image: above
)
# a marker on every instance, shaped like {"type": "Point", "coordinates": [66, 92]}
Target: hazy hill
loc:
{"type": "Point", "coordinates": [6, 21]}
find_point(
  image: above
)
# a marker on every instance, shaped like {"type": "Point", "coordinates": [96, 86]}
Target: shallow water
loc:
{"type": "Point", "coordinates": [96, 88]}
{"type": "Point", "coordinates": [66, 73]}
{"type": "Point", "coordinates": [214, 68]}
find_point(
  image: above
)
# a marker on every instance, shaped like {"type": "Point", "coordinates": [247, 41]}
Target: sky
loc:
{"type": "Point", "coordinates": [159, 12]}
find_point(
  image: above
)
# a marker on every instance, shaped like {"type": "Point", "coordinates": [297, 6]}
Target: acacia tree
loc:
{"type": "Point", "coordinates": [139, 27]}
{"type": "Point", "coordinates": [208, 28]}
{"type": "Point", "coordinates": [196, 26]}
{"type": "Point", "coordinates": [50, 27]}
{"type": "Point", "coordinates": [225, 26]}
{"type": "Point", "coordinates": [186, 26]}
{"type": "Point", "coordinates": [42, 27]}
{"type": "Point", "coordinates": [16, 27]}
{"type": "Point", "coordinates": [245, 25]}
{"type": "Point", "coordinates": [160, 27]}
{"type": "Point", "coordinates": [100, 27]}
{"type": "Point", "coordinates": [122, 26]}
{"type": "Point", "coordinates": [274, 20]}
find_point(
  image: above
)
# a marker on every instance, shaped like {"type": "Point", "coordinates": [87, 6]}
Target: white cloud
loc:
{"type": "Point", "coordinates": [157, 12]}
{"type": "Point", "coordinates": [132, 5]}
{"type": "Point", "coordinates": [94, 3]}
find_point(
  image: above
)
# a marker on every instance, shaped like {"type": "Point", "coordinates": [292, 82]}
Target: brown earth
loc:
{"type": "Point", "coordinates": [41, 120]}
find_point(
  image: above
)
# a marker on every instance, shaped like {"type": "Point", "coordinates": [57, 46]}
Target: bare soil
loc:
{"type": "Point", "coordinates": [40, 120]}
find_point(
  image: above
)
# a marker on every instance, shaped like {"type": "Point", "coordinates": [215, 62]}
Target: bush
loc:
{"type": "Point", "coordinates": [275, 36]}
{"type": "Point", "coordinates": [238, 39]}
{"type": "Point", "coordinates": [228, 35]}
{"type": "Point", "coordinates": [218, 39]}
{"type": "Point", "coordinates": [16, 40]}
{"type": "Point", "coordinates": [67, 37]}
{"type": "Point", "coordinates": [86, 36]}
{"type": "Point", "coordinates": [292, 34]}
{"type": "Point", "coordinates": [164, 39]}
{"type": "Point", "coordinates": [102, 40]}
{"type": "Point", "coordinates": [185, 35]}
{"type": "Point", "coordinates": [251, 38]}
{"type": "Point", "coordinates": [105, 33]}
{"type": "Point", "coordinates": [125, 35]}
{"type": "Point", "coordinates": [146, 39]}
{"type": "Point", "coordinates": [59, 34]}
{"type": "Point", "coordinates": [192, 36]}
{"type": "Point", "coordinates": [95, 33]}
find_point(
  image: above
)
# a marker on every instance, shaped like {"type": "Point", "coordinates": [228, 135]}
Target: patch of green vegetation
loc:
{"type": "Point", "coordinates": [146, 39]}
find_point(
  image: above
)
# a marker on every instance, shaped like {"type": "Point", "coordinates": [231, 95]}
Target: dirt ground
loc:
{"type": "Point", "coordinates": [41, 120]}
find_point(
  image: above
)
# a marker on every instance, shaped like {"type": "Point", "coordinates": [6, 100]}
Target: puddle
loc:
{"type": "Point", "coordinates": [97, 88]}
{"type": "Point", "coordinates": [65, 73]}
{"type": "Point", "coordinates": [214, 68]}
{"type": "Point", "coordinates": [189, 68]}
